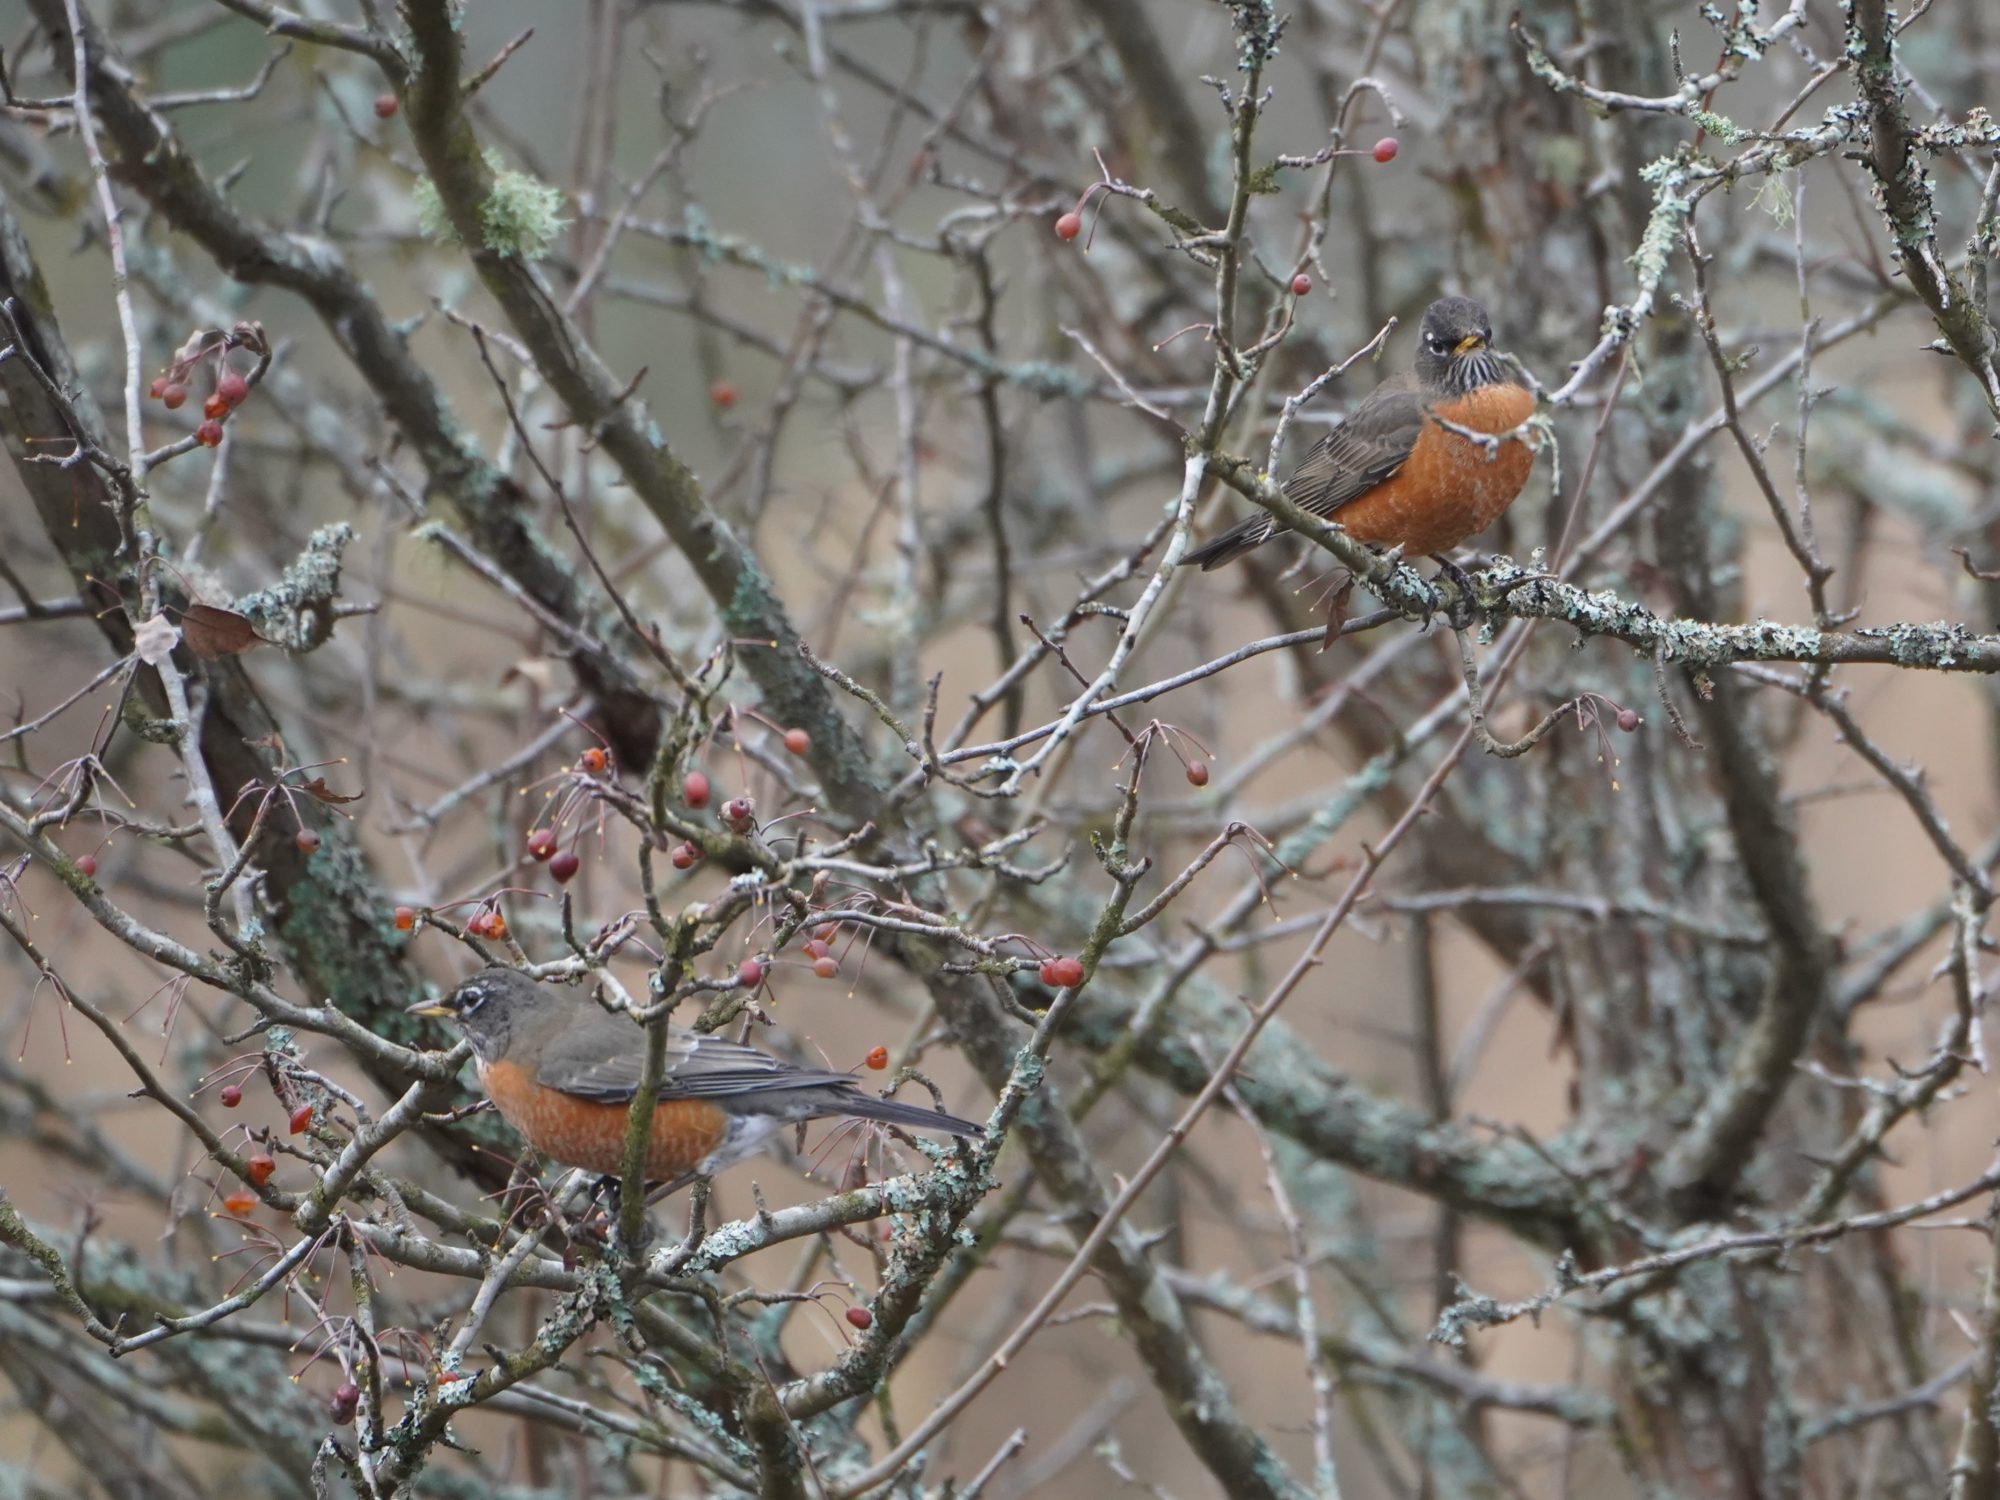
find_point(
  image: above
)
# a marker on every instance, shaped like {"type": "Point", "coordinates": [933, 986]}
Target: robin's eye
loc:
{"type": "Point", "coordinates": [469, 1000]}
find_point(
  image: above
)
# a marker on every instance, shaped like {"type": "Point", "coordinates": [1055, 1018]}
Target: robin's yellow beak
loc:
{"type": "Point", "coordinates": [430, 1008]}
{"type": "Point", "coordinates": [1468, 344]}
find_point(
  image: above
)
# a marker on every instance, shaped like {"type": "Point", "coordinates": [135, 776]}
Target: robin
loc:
{"type": "Point", "coordinates": [563, 1073]}
{"type": "Point", "coordinates": [1392, 474]}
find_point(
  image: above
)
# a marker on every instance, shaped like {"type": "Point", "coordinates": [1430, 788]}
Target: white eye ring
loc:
{"type": "Point", "coordinates": [471, 998]}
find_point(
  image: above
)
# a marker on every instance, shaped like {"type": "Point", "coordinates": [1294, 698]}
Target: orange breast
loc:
{"type": "Point", "coordinates": [584, 1133]}
{"type": "Point", "coordinates": [1448, 489]}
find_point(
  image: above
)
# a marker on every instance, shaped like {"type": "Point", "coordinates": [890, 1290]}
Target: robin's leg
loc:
{"type": "Point", "coordinates": [1463, 609]}
{"type": "Point", "coordinates": [602, 1221]}
{"type": "Point", "coordinates": [592, 1222]}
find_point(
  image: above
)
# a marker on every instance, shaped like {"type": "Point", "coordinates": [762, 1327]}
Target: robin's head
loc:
{"type": "Point", "coordinates": [1455, 345]}
{"type": "Point", "coordinates": [490, 1008]}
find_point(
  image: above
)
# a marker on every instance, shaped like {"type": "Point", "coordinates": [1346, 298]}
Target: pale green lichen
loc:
{"type": "Point", "coordinates": [1776, 199]}
{"type": "Point", "coordinates": [1721, 127]}
{"type": "Point", "coordinates": [296, 612]}
{"type": "Point", "coordinates": [521, 216]}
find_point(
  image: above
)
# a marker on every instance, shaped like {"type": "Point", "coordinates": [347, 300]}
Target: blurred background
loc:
{"type": "Point", "coordinates": [815, 241]}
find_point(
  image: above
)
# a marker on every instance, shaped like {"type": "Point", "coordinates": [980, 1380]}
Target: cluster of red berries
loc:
{"type": "Point", "coordinates": [1061, 973]}
{"type": "Point", "coordinates": [819, 949]}
{"type": "Point", "coordinates": [738, 814]}
{"type": "Point", "coordinates": [544, 848]}
{"type": "Point", "coordinates": [231, 391]}
{"type": "Point", "coordinates": [825, 965]}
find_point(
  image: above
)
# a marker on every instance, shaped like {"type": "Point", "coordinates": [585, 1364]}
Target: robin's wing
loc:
{"type": "Point", "coordinates": [1365, 450]}
{"type": "Point", "coordinates": [601, 1056]}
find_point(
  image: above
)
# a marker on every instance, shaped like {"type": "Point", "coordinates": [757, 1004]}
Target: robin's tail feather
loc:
{"type": "Point", "coordinates": [1245, 536]}
{"type": "Point", "coordinates": [865, 1106]}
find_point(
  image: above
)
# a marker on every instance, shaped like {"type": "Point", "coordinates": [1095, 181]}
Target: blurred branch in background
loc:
{"type": "Point", "coordinates": [686, 501]}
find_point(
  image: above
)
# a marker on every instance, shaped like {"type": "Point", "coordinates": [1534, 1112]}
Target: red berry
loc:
{"type": "Point", "coordinates": [593, 760]}
{"type": "Point", "coordinates": [1069, 226]}
{"type": "Point", "coordinates": [1628, 719]}
{"type": "Point", "coordinates": [215, 408]}
{"type": "Point", "coordinates": [173, 394]}
{"type": "Point", "coordinates": [564, 866]}
{"type": "Point", "coordinates": [1197, 773]}
{"type": "Point", "coordinates": [347, 1395]}
{"type": "Point", "coordinates": [878, 1058]}
{"type": "Point", "coordinates": [722, 395]}
{"type": "Point", "coordinates": [1385, 149]}
{"type": "Point", "coordinates": [542, 843]}
{"type": "Point", "coordinates": [159, 387]}
{"type": "Point", "coordinates": [685, 855]}
{"type": "Point", "coordinates": [739, 814]}
{"type": "Point", "coordinates": [231, 1096]}
{"type": "Point", "coordinates": [827, 968]}
{"type": "Point", "coordinates": [827, 932]}
{"type": "Point", "coordinates": [232, 388]}
{"type": "Point", "coordinates": [87, 866]}
{"type": "Point", "coordinates": [386, 106]}
{"type": "Point", "coordinates": [259, 1168]}
{"type": "Point", "coordinates": [815, 949]}
{"type": "Point", "coordinates": [1062, 972]}
{"type": "Point", "coordinates": [496, 925]}
{"type": "Point", "coordinates": [209, 434]}
{"type": "Point", "coordinates": [307, 840]}
{"type": "Point", "coordinates": [301, 1120]}
{"type": "Point", "coordinates": [406, 919]}
{"type": "Point", "coordinates": [694, 789]}
{"type": "Point", "coordinates": [798, 741]}
{"type": "Point", "coordinates": [1301, 284]}
{"type": "Point", "coordinates": [240, 1202]}
{"type": "Point", "coordinates": [1047, 973]}
{"type": "Point", "coordinates": [860, 1317]}
{"type": "Point", "coordinates": [750, 973]}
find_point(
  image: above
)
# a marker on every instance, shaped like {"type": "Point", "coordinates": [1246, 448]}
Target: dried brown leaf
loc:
{"type": "Point", "coordinates": [318, 788]}
{"type": "Point", "coordinates": [211, 631]}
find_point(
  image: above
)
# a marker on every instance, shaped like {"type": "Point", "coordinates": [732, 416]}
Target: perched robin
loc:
{"type": "Point", "coordinates": [1391, 474]}
{"type": "Point", "coordinates": [563, 1072]}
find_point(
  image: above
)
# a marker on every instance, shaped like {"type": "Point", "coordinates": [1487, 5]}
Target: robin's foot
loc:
{"type": "Point", "coordinates": [1463, 608]}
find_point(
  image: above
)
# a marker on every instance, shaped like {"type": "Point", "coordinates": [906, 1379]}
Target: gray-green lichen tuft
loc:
{"type": "Point", "coordinates": [521, 217]}
{"type": "Point", "coordinates": [296, 612]}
